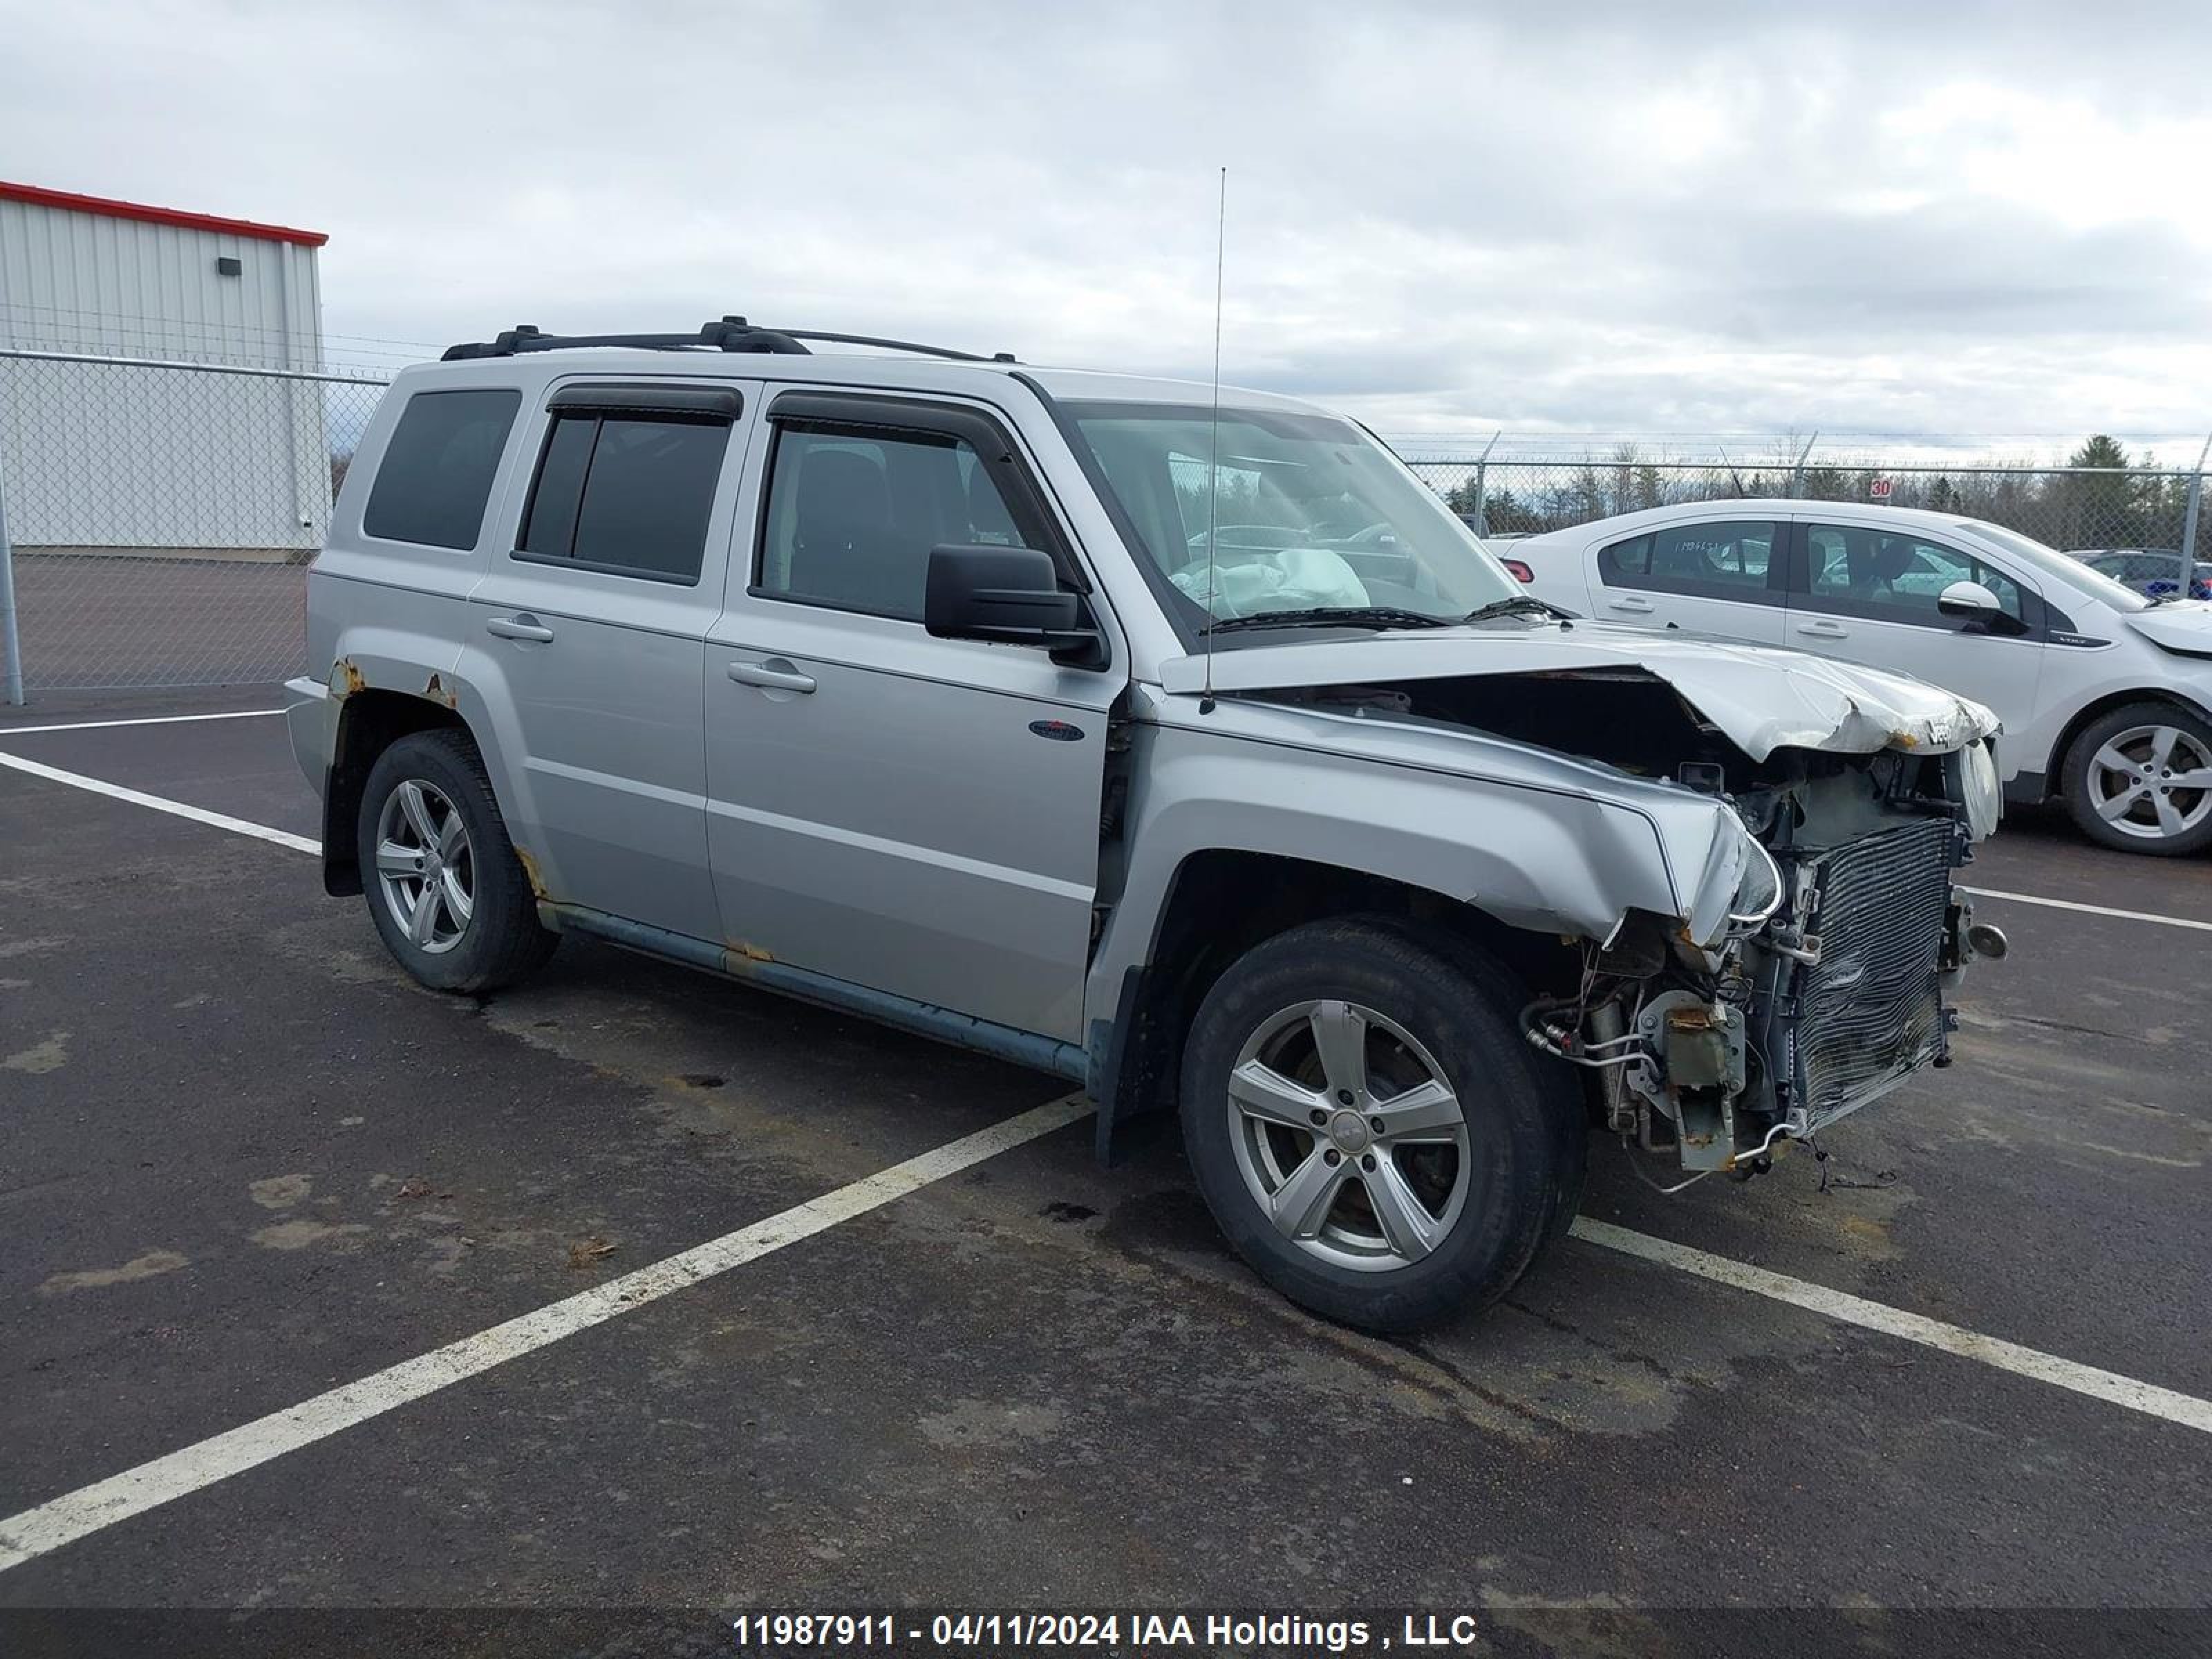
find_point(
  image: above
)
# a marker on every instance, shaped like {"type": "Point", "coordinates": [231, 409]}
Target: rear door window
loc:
{"type": "Point", "coordinates": [1720, 559]}
{"type": "Point", "coordinates": [437, 471]}
{"type": "Point", "coordinates": [625, 494]}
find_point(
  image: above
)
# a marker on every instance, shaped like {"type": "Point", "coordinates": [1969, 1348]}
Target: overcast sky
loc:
{"type": "Point", "coordinates": [1661, 218]}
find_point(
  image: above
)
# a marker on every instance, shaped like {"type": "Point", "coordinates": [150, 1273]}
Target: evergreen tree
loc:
{"type": "Point", "coordinates": [2097, 508]}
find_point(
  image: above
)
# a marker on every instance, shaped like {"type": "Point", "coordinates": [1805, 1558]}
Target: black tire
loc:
{"type": "Point", "coordinates": [500, 940]}
{"type": "Point", "coordinates": [1521, 1162]}
{"type": "Point", "coordinates": [2081, 778]}
{"type": "Point", "coordinates": [1561, 1085]}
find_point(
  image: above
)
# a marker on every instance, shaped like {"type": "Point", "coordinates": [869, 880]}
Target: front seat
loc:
{"type": "Point", "coordinates": [841, 547]}
{"type": "Point", "coordinates": [1863, 560]}
{"type": "Point", "coordinates": [1893, 559]}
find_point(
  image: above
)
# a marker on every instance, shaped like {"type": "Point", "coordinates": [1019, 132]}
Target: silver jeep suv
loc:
{"type": "Point", "coordinates": [1196, 753]}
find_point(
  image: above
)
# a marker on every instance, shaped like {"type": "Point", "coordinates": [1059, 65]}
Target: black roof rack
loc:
{"type": "Point", "coordinates": [729, 334]}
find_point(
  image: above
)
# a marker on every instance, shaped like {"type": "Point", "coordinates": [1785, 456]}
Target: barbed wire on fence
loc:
{"type": "Point", "coordinates": [163, 513]}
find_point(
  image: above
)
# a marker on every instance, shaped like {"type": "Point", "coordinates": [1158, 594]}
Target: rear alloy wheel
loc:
{"type": "Point", "coordinates": [445, 888]}
{"type": "Point", "coordinates": [2141, 780]}
{"type": "Point", "coordinates": [1368, 1128]}
{"type": "Point", "coordinates": [425, 865]}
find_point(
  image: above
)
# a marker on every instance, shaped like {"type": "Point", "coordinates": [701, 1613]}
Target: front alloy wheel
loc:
{"type": "Point", "coordinates": [1348, 1135]}
{"type": "Point", "coordinates": [2152, 782]}
{"type": "Point", "coordinates": [1367, 1126]}
{"type": "Point", "coordinates": [2139, 778]}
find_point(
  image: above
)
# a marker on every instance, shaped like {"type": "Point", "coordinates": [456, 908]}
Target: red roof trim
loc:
{"type": "Point", "coordinates": [39, 196]}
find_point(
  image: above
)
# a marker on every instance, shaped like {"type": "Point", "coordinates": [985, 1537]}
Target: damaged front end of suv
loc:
{"type": "Point", "coordinates": [1826, 985]}
{"type": "Point", "coordinates": [1791, 953]}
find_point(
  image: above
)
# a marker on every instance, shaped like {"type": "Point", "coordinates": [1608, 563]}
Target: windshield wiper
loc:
{"type": "Point", "coordinates": [1365, 615]}
{"type": "Point", "coordinates": [1514, 604]}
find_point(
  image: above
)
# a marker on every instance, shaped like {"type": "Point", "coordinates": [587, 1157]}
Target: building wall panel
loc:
{"type": "Point", "coordinates": [114, 457]}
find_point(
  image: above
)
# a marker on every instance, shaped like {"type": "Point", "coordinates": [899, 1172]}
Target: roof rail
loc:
{"type": "Point", "coordinates": [729, 334]}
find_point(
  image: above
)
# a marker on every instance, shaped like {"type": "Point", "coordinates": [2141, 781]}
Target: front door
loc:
{"type": "Point", "coordinates": [1868, 593]}
{"type": "Point", "coordinates": [917, 816]}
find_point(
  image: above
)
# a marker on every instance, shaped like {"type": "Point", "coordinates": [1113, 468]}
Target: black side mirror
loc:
{"type": "Point", "coordinates": [1010, 596]}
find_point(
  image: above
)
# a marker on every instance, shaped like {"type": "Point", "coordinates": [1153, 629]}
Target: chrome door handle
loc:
{"type": "Point", "coordinates": [1631, 604]}
{"type": "Point", "coordinates": [774, 675]}
{"type": "Point", "coordinates": [523, 626]}
{"type": "Point", "coordinates": [1823, 631]}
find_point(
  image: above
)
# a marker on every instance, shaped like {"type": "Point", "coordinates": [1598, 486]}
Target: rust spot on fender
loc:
{"type": "Point", "coordinates": [530, 873]}
{"type": "Point", "coordinates": [750, 952]}
{"type": "Point", "coordinates": [436, 691]}
{"type": "Point", "coordinates": [345, 678]}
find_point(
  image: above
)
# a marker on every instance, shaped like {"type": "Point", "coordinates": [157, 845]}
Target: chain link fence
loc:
{"type": "Point", "coordinates": [162, 513]}
{"type": "Point", "coordinates": [2076, 510]}
{"type": "Point", "coordinates": [161, 516]}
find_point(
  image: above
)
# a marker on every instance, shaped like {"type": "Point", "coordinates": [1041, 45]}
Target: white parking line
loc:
{"type": "Point", "coordinates": [2091, 909]}
{"type": "Point", "coordinates": [142, 719]}
{"type": "Point", "coordinates": [2109, 1386]}
{"type": "Point", "coordinates": [35, 1532]}
{"type": "Point", "coordinates": [162, 803]}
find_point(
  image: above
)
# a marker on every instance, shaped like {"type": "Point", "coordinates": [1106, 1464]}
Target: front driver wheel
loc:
{"type": "Point", "coordinates": [1367, 1128]}
{"type": "Point", "coordinates": [2140, 779]}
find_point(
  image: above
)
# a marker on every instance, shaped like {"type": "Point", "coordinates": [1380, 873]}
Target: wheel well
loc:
{"type": "Point", "coordinates": [370, 722]}
{"type": "Point", "coordinates": [2055, 771]}
{"type": "Point", "coordinates": [1224, 901]}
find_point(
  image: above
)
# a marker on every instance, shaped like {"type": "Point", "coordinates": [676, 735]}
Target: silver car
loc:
{"type": "Point", "coordinates": [1197, 756]}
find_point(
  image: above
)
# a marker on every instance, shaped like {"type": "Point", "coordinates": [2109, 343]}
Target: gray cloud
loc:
{"type": "Point", "coordinates": [1680, 218]}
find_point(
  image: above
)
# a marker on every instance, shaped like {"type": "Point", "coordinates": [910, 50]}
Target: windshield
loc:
{"type": "Point", "coordinates": [1310, 516]}
{"type": "Point", "coordinates": [2095, 583]}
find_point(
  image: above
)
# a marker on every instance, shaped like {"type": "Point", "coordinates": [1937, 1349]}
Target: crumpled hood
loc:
{"type": "Point", "coordinates": [2179, 625]}
{"type": "Point", "coordinates": [1762, 697]}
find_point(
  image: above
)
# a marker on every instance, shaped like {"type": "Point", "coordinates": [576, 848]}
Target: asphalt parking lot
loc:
{"type": "Point", "coordinates": [244, 1161]}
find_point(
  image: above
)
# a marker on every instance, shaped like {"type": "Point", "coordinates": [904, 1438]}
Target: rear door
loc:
{"type": "Point", "coordinates": [1867, 592]}
{"type": "Point", "coordinates": [1723, 576]}
{"type": "Point", "coordinates": [914, 815]}
{"type": "Point", "coordinates": [586, 633]}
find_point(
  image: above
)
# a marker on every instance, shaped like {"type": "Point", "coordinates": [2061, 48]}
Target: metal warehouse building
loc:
{"type": "Point", "coordinates": [125, 455]}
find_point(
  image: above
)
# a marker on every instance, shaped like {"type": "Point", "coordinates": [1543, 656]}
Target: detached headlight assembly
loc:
{"type": "Point", "coordinates": [1759, 890]}
{"type": "Point", "coordinates": [1740, 888]}
{"type": "Point", "coordinates": [1979, 790]}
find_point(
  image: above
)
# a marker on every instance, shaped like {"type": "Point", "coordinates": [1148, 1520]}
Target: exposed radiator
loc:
{"type": "Point", "coordinates": [1870, 1013]}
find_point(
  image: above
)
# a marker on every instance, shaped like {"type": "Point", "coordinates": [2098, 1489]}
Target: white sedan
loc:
{"type": "Point", "coordinates": [2106, 696]}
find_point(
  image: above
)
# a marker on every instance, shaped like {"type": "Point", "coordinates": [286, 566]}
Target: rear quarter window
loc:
{"type": "Point", "coordinates": [437, 471]}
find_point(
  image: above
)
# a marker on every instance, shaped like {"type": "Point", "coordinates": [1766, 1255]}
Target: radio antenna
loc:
{"type": "Point", "coordinates": [1213, 442]}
